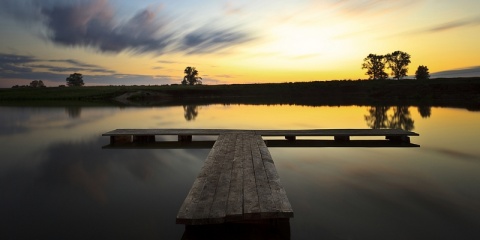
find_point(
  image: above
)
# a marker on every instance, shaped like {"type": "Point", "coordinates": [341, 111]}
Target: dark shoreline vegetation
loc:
{"type": "Point", "coordinates": [446, 92]}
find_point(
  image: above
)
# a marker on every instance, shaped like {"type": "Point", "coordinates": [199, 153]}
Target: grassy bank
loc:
{"type": "Point", "coordinates": [434, 92]}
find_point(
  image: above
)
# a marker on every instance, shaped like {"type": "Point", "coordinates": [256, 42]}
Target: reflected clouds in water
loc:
{"type": "Point", "coordinates": [113, 193]}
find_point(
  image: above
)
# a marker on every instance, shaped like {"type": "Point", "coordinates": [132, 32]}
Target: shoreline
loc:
{"type": "Point", "coordinates": [456, 92]}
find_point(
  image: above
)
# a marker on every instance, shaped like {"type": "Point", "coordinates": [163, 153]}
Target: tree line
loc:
{"type": "Point", "coordinates": [74, 80]}
{"type": "Point", "coordinates": [397, 62]}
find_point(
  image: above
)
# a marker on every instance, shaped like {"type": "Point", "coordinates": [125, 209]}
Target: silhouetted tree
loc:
{"type": "Point", "coordinates": [398, 62]}
{"type": "Point", "coordinates": [75, 80]}
{"type": "Point", "coordinates": [422, 73]}
{"type": "Point", "coordinates": [190, 112]}
{"type": "Point", "coordinates": [425, 111]}
{"type": "Point", "coordinates": [191, 77]}
{"type": "Point", "coordinates": [375, 65]}
{"type": "Point", "coordinates": [37, 83]}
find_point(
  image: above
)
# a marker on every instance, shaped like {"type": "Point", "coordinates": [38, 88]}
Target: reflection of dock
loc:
{"type": "Point", "coordinates": [239, 181]}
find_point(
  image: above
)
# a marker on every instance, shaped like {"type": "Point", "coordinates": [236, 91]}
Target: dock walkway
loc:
{"type": "Point", "coordinates": [238, 182]}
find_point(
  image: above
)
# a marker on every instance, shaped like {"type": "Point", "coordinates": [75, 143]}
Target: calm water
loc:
{"type": "Point", "coordinates": [56, 181]}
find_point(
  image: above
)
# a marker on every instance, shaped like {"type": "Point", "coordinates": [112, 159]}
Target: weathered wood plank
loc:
{"type": "Point", "coordinates": [189, 206]}
{"type": "Point", "coordinates": [205, 201]}
{"type": "Point", "coordinates": [267, 208]}
{"type": "Point", "coordinates": [218, 210]}
{"type": "Point", "coordinates": [279, 195]}
{"type": "Point", "coordinates": [235, 196]}
{"type": "Point", "coordinates": [250, 201]}
{"type": "Point", "coordinates": [304, 132]}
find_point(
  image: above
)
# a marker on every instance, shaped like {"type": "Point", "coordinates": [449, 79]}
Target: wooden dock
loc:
{"type": "Point", "coordinates": [148, 135]}
{"type": "Point", "coordinates": [238, 181]}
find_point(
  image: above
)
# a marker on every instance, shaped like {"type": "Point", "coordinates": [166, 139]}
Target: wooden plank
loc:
{"type": "Point", "coordinates": [120, 139]}
{"type": "Point", "coordinates": [279, 194]}
{"type": "Point", "coordinates": [337, 132]}
{"type": "Point", "coordinates": [341, 138]}
{"type": "Point", "coordinates": [270, 143]}
{"type": "Point", "coordinates": [187, 210]}
{"type": "Point", "coordinates": [218, 211]}
{"type": "Point", "coordinates": [305, 132]}
{"type": "Point", "coordinates": [235, 196]}
{"type": "Point", "coordinates": [251, 207]}
{"type": "Point", "coordinates": [267, 208]}
{"type": "Point", "coordinates": [173, 131]}
{"type": "Point", "coordinates": [205, 201]}
{"type": "Point", "coordinates": [144, 138]}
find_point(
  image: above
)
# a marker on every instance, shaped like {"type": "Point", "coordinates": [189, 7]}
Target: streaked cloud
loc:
{"type": "Point", "coordinates": [205, 40]}
{"type": "Point", "coordinates": [466, 22]}
{"type": "Point", "coordinates": [356, 7]}
{"type": "Point", "coordinates": [95, 24]}
{"type": "Point", "coordinates": [108, 38]}
{"type": "Point", "coordinates": [28, 68]}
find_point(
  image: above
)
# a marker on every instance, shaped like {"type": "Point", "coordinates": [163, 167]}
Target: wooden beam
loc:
{"type": "Point", "coordinates": [184, 138]}
{"type": "Point", "coordinates": [144, 138]}
{"type": "Point", "coordinates": [341, 138]}
{"type": "Point", "coordinates": [291, 138]}
{"type": "Point", "coordinates": [120, 139]}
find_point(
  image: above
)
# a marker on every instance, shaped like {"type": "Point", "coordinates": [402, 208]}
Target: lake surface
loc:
{"type": "Point", "coordinates": [56, 181]}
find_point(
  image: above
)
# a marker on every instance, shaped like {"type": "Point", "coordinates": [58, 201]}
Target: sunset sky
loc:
{"type": "Point", "coordinates": [245, 41]}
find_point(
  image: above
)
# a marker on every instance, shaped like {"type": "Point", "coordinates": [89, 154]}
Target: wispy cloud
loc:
{"type": "Point", "coordinates": [454, 24]}
{"type": "Point", "coordinates": [355, 7]}
{"type": "Point", "coordinates": [205, 40]}
{"type": "Point", "coordinates": [95, 24]}
{"type": "Point", "coordinates": [28, 68]}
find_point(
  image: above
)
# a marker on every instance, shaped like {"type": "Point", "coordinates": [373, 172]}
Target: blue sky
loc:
{"type": "Point", "coordinates": [151, 42]}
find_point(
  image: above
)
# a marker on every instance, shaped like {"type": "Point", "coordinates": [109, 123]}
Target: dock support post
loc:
{"type": "Point", "coordinates": [144, 138]}
{"type": "Point", "coordinates": [341, 138]}
{"type": "Point", "coordinates": [184, 138]}
{"type": "Point", "coordinates": [404, 139]}
{"type": "Point", "coordinates": [291, 138]}
{"type": "Point", "coordinates": [120, 139]}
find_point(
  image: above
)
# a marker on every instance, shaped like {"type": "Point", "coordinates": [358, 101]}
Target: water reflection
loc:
{"type": "Point", "coordinates": [76, 186]}
{"type": "Point", "coordinates": [190, 112]}
{"type": "Point", "coordinates": [57, 183]}
{"type": "Point", "coordinates": [425, 111]}
{"type": "Point", "coordinates": [390, 117]}
{"type": "Point", "coordinates": [73, 111]}
{"type": "Point", "coordinates": [377, 117]}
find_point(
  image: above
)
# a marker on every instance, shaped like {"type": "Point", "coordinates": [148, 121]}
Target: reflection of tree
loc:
{"type": "Point", "coordinates": [378, 118]}
{"type": "Point", "coordinates": [401, 119]}
{"type": "Point", "coordinates": [73, 111]}
{"type": "Point", "coordinates": [190, 112]}
{"type": "Point", "coordinates": [425, 111]}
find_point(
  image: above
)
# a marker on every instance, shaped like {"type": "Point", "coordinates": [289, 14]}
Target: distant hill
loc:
{"type": "Point", "coordinates": [465, 72]}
